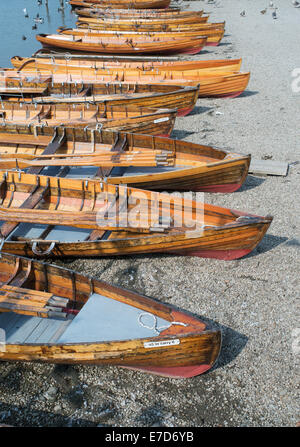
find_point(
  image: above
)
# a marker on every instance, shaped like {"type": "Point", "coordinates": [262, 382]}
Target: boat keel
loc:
{"type": "Point", "coordinates": [231, 187]}
{"type": "Point", "coordinates": [184, 112]}
{"type": "Point", "coordinates": [225, 255]}
{"type": "Point", "coordinates": [179, 372]}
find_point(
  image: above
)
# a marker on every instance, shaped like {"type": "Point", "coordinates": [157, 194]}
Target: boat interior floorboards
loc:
{"type": "Point", "coordinates": [28, 329]}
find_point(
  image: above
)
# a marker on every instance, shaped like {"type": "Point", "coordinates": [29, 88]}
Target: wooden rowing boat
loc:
{"type": "Point", "coordinates": [51, 314]}
{"type": "Point", "coordinates": [177, 17]}
{"type": "Point", "coordinates": [102, 8]}
{"type": "Point", "coordinates": [130, 11]}
{"type": "Point", "coordinates": [137, 13]}
{"type": "Point", "coordinates": [122, 4]}
{"type": "Point", "coordinates": [118, 118]}
{"type": "Point", "coordinates": [182, 98]}
{"type": "Point", "coordinates": [96, 62]}
{"type": "Point", "coordinates": [212, 84]}
{"type": "Point", "coordinates": [201, 29]}
{"type": "Point", "coordinates": [212, 32]}
{"type": "Point", "coordinates": [42, 52]}
{"type": "Point", "coordinates": [177, 165]}
{"type": "Point", "coordinates": [84, 22]}
{"type": "Point", "coordinates": [90, 218]}
{"type": "Point", "coordinates": [119, 45]}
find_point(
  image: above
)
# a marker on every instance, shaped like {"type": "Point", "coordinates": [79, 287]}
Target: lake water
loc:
{"type": "Point", "coordinates": [14, 25]}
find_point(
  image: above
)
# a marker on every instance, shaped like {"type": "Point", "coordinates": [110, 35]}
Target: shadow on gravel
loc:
{"type": "Point", "coordinates": [198, 109]}
{"type": "Point", "coordinates": [268, 243]}
{"type": "Point", "coordinates": [180, 134]}
{"type": "Point", "coordinates": [29, 416]}
{"type": "Point", "coordinates": [233, 343]}
{"type": "Point", "coordinates": [251, 182]}
{"type": "Point", "coordinates": [293, 242]}
{"type": "Point", "coordinates": [248, 93]}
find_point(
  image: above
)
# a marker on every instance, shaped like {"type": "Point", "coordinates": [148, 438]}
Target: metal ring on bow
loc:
{"type": "Point", "coordinates": [38, 252]}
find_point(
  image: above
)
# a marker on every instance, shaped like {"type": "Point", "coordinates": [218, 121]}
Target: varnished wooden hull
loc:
{"type": "Point", "coordinates": [118, 118]}
{"type": "Point", "coordinates": [220, 171]}
{"type": "Point", "coordinates": [130, 11]}
{"type": "Point", "coordinates": [138, 95]}
{"type": "Point", "coordinates": [226, 245]}
{"type": "Point", "coordinates": [186, 45]}
{"type": "Point", "coordinates": [195, 346]}
{"type": "Point", "coordinates": [212, 32]}
{"type": "Point", "coordinates": [228, 176]}
{"type": "Point", "coordinates": [137, 4]}
{"type": "Point", "coordinates": [84, 22]}
{"type": "Point", "coordinates": [225, 234]}
{"type": "Point", "coordinates": [215, 84]}
{"type": "Point", "coordinates": [89, 61]}
{"type": "Point", "coordinates": [202, 28]}
{"type": "Point", "coordinates": [135, 14]}
{"type": "Point", "coordinates": [83, 64]}
{"type": "Point", "coordinates": [178, 17]}
{"type": "Point", "coordinates": [184, 101]}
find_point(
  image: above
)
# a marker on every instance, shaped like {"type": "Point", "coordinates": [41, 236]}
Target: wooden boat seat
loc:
{"type": "Point", "coordinates": [42, 114]}
{"type": "Point", "coordinates": [105, 319]}
{"type": "Point", "coordinates": [31, 202]}
{"type": "Point", "coordinates": [27, 329]}
{"type": "Point", "coordinates": [73, 172]}
{"type": "Point", "coordinates": [70, 37]}
{"type": "Point", "coordinates": [82, 172]}
{"type": "Point", "coordinates": [23, 90]}
{"type": "Point", "coordinates": [31, 302]}
{"type": "Point", "coordinates": [140, 170]}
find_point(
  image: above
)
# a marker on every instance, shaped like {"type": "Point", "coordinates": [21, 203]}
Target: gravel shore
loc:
{"type": "Point", "coordinates": [253, 300]}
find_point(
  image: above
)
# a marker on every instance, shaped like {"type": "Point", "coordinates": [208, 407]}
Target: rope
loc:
{"type": "Point", "coordinates": [154, 326]}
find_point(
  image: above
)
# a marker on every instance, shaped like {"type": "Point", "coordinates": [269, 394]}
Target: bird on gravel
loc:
{"type": "Point", "coordinates": [263, 11]}
{"type": "Point", "coordinates": [243, 13]}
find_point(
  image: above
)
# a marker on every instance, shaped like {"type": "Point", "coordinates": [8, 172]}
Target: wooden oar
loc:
{"type": "Point", "coordinates": [105, 159]}
{"type": "Point", "coordinates": [77, 219]}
